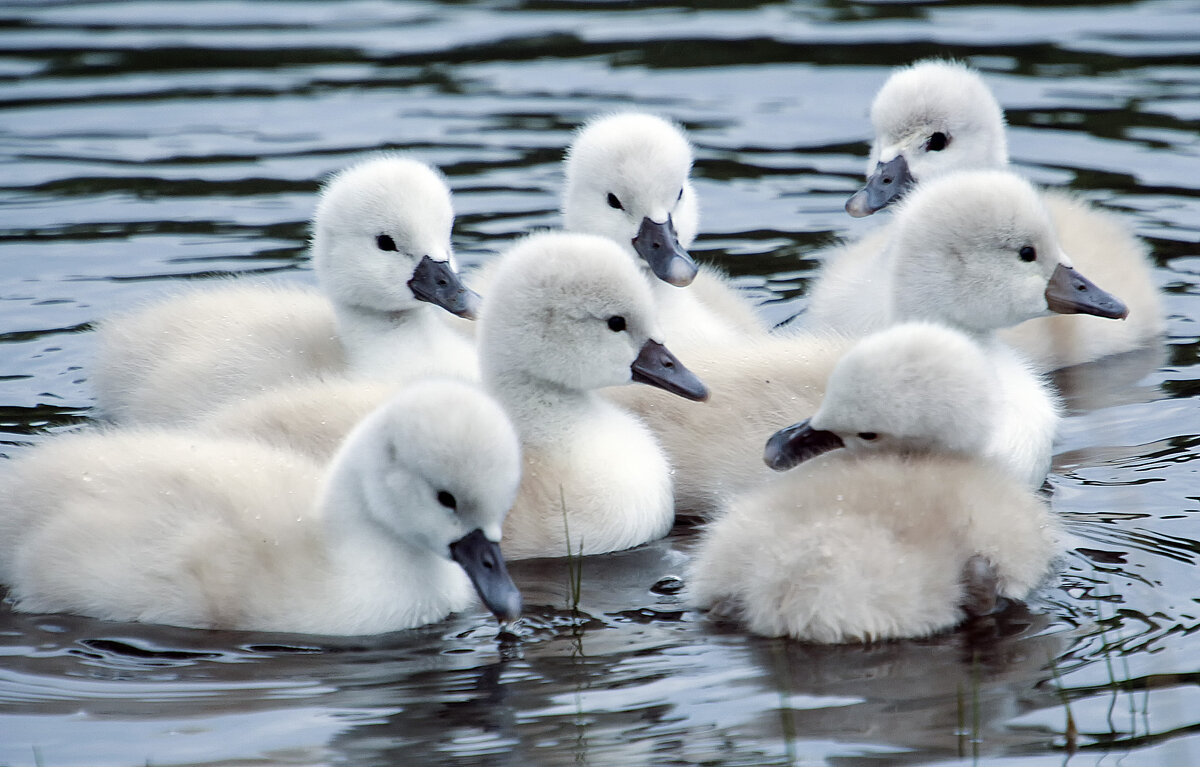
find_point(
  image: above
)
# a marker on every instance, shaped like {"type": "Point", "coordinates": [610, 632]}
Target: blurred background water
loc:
{"type": "Point", "coordinates": [146, 143]}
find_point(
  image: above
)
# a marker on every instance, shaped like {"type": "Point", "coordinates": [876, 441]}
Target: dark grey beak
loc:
{"type": "Point", "coordinates": [890, 180]}
{"type": "Point", "coordinates": [659, 246]}
{"type": "Point", "coordinates": [484, 564]}
{"type": "Point", "coordinates": [437, 283]}
{"type": "Point", "coordinates": [1069, 292]}
{"type": "Point", "coordinates": [796, 444]}
{"type": "Point", "coordinates": [655, 365]}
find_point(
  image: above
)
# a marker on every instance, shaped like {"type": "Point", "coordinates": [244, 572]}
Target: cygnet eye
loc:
{"type": "Point", "coordinates": [385, 242]}
{"type": "Point", "coordinates": [447, 499]}
{"type": "Point", "coordinates": [616, 323]}
{"type": "Point", "coordinates": [680, 197]}
{"type": "Point", "coordinates": [937, 142]}
{"type": "Point", "coordinates": [867, 435]}
{"type": "Point", "coordinates": [1028, 253]}
{"type": "Point", "coordinates": [613, 202]}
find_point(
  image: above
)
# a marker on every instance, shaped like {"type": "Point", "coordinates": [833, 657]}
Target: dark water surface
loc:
{"type": "Point", "coordinates": [145, 143]}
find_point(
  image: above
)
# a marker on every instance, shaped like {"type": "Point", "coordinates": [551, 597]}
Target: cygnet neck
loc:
{"type": "Point", "coordinates": [540, 409]}
{"type": "Point", "coordinates": [366, 331]}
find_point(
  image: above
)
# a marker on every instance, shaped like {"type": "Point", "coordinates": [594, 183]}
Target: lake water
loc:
{"type": "Point", "coordinates": [145, 143]}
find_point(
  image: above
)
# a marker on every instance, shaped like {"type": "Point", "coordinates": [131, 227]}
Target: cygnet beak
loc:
{"type": "Point", "coordinates": [1069, 292]}
{"type": "Point", "coordinates": [484, 563]}
{"type": "Point", "coordinates": [796, 444]}
{"type": "Point", "coordinates": [890, 180]}
{"type": "Point", "coordinates": [437, 283]}
{"type": "Point", "coordinates": [659, 246]}
{"type": "Point", "coordinates": [655, 365]}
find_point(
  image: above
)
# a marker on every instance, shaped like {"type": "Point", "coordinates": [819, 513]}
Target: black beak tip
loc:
{"type": "Point", "coordinates": [774, 454]}
{"type": "Point", "coordinates": [480, 557]}
{"type": "Point", "coordinates": [795, 444]}
{"type": "Point", "coordinates": [858, 206]}
{"type": "Point", "coordinates": [471, 302]}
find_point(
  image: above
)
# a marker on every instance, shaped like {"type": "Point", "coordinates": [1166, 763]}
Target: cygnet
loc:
{"type": "Point", "coordinates": [381, 250]}
{"type": "Point", "coordinates": [626, 178]}
{"type": "Point", "coordinates": [565, 315]}
{"type": "Point", "coordinates": [897, 524]}
{"type": "Point", "coordinates": [146, 524]}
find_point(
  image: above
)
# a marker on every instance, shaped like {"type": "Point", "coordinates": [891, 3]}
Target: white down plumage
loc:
{"type": "Point", "coordinates": [381, 250]}
{"type": "Point", "coordinates": [896, 524]}
{"type": "Point", "coordinates": [171, 527]}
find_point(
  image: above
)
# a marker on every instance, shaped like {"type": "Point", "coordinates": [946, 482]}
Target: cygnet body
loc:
{"type": "Point", "coordinates": [381, 250]}
{"type": "Point", "coordinates": [904, 530]}
{"type": "Point", "coordinates": [973, 250]}
{"type": "Point", "coordinates": [170, 527]}
{"type": "Point", "coordinates": [627, 179]}
{"type": "Point", "coordinates": [566, 314]}
{"type": "Point", "coordinates": [936, 117]}
{"type": "Point", "coordinates": [312, 417]}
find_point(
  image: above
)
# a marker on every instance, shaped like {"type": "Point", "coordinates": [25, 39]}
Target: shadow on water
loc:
{"type": "Point", "coordinates": [145, 147]}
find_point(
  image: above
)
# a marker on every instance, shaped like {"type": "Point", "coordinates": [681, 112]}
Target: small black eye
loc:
{"type": "Point", "coordinates": [613, 202]}
{"type": "Point", "coordinates": [867, 435]}
{"type": "Point", "coordinates": [385, 242]}
{"type": "Point", "coordinates": [937, 142]}
{"type": "Point", "coordinates": [680, 197]}
{"type": "Point", "coordinates": [1027, 253]}
{"type": "Point", "coordinates": [447, 499]}
{"type": "Point", "coordinates": [616, 323]}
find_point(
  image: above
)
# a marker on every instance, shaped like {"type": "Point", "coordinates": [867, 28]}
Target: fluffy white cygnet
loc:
{"type": "Point", "coordinates": [935, 117]}
{"type": "Point", "coordinates": [902, 532]}
{"type": "Point", "coordinates": [381, 250]}
{"type": "Point", "coordinates": [567, 314]}
{"type": "Point", "coordinates": [974, 250]}
{"type": "Point", "coordinates": [627, 180]}
{"type": "Point", "coordinates": [177, 528]}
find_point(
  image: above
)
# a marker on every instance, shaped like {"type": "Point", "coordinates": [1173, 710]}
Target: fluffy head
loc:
{"type": "Point", "coordinates": [937, 97]}
{"type": "Point", "coordinates": [569, 310]}
{"type": "Point", "coordinates": [641, 163]}
{"type": "Point", "coordinates": [374, 223]}
{"type": "Point", "coordinates": [436, 462]}
{"type": "Point", "coordinates": [974, 250]}
{"type": "Point", "coordinates": [914, 386]}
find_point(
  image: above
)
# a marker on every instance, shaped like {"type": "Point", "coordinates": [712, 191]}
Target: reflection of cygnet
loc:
{"type": "Point", "coordinates": [566, 314]}
{"type": "Point", "coordinates": [166, 527]}
{"type": "Point", "coordinates": [381, 250]}
{"type": "Point", "coordinates": [896, 525]}
{"type": "Point", "coordinates": [936, 117]}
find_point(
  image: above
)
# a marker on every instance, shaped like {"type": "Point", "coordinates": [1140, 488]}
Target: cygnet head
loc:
{"type": "Point", "coordinates": [914, 387]}
{"type": "Point", "coordinates": [977, 250]}
{"type": "Point", "coordinates": [571, 312]}
{"type": "Point", "coordinates": [381, 239]}
{"type": "Point", "coordinates": [627, 180]}
{"type": "Point", "coordinates": [437, 468]}
{"type": "Point", "coordinates": [930, 118]}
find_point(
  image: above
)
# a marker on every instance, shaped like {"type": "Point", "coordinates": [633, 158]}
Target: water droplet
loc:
{"type": "Point", "coordinates": [668, 584]}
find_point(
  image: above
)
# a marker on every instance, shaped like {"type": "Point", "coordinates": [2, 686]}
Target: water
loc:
{"type": "Point", "coordinates": [147, 143]}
